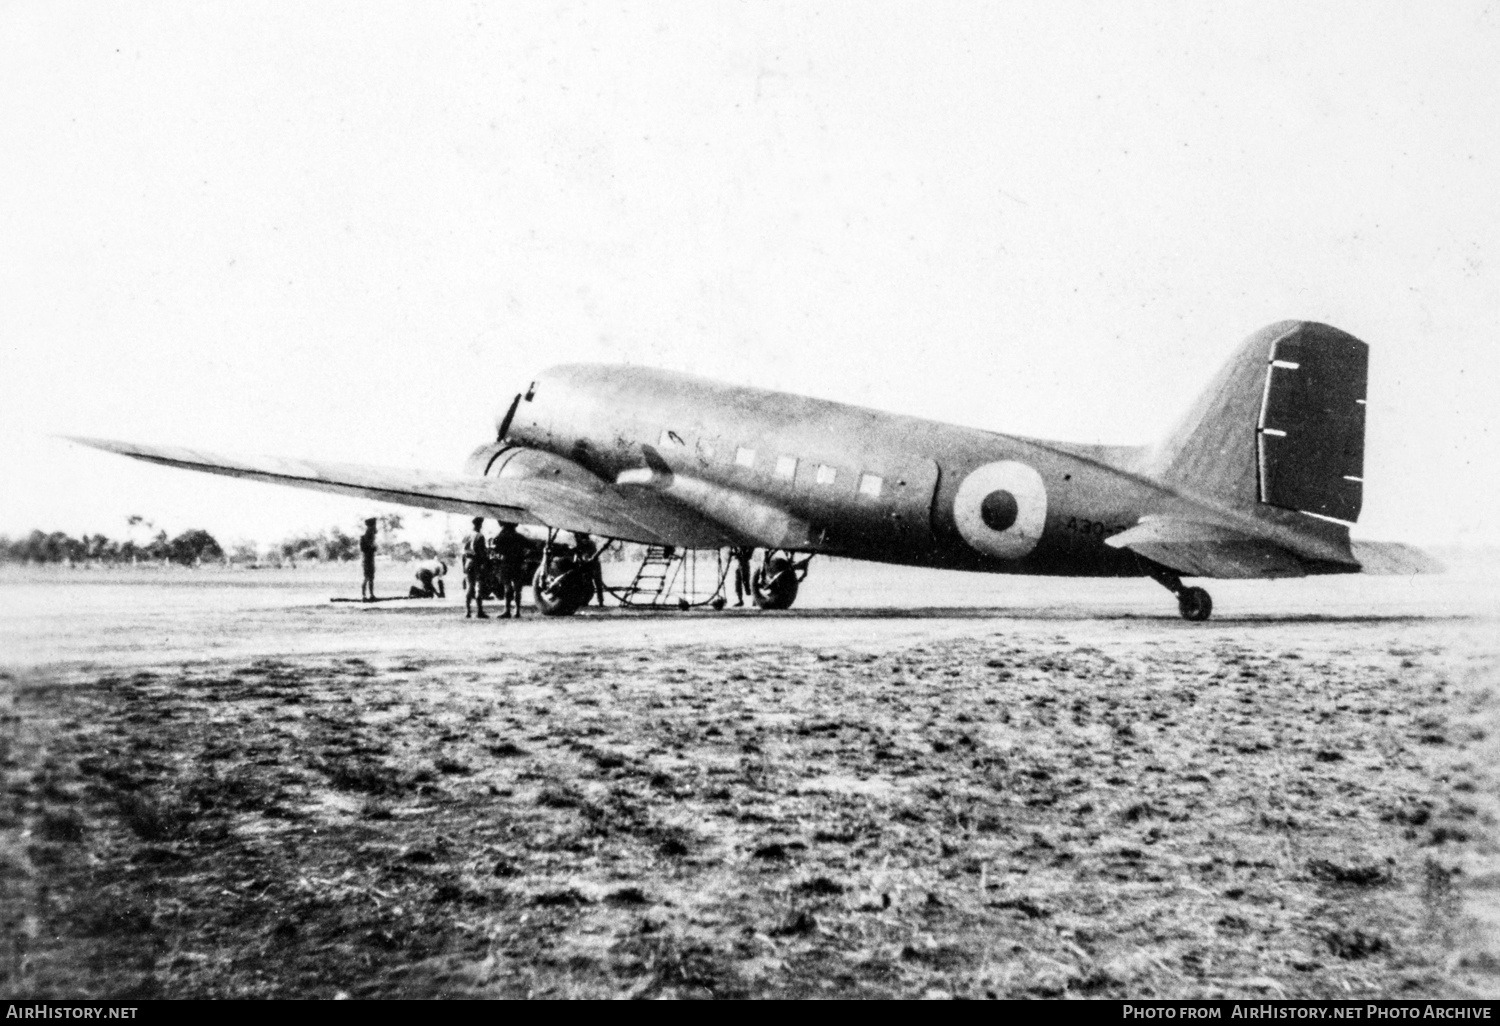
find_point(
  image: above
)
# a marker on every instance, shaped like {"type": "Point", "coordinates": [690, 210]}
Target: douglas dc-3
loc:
{"type": "Point", "coordinates": [1261, 478]}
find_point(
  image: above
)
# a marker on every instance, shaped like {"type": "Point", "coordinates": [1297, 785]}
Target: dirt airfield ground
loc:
{"type": "Point", "coordinates": [914, 783]}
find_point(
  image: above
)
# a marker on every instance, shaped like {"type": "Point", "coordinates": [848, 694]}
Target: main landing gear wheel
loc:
{"type": "Point", "coordinates": [561, 588]}
{"type": "Point", "coordinates": [775, 584]}
{"type": "Point", "coordinates": [1195, 604]}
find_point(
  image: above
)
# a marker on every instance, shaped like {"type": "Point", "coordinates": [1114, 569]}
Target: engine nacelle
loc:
{"type": "Point", "coordinates": [504, 460]}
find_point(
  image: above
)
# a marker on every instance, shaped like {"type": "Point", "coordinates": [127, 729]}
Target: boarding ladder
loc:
{"type": "Point", "coordinates": [651, 577]}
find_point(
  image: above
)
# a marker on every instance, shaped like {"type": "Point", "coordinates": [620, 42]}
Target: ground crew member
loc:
{"type": "Point", "coordinates": [741, 557]}
{"type": "Point", "coordinates": [510, 550]}
{"type": "Point", "coordinates": [476, 565]}
{"type": "Point", "coordinates": [430, 580]}
{"type": "Point", "coordinates": [367, 556]}
{"type": "Point", "coordinates": [587, 553]}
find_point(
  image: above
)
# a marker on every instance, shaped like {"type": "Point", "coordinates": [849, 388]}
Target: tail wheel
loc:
{"type": "Point", "coordinates": [1195, 604]}
{"type": "Point", "coordinates": [775, 584]}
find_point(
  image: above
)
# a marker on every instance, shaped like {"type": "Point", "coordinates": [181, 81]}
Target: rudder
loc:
{"type": "Point", "coordinates": [1283, 423]}
{"type": "Point", "coordinates": [1311, 436]}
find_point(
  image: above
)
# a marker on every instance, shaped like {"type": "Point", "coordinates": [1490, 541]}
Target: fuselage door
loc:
{"type": "Point", "coordinates": [916, 490]}
{"type": "Point", "coordinates": [891, 507]}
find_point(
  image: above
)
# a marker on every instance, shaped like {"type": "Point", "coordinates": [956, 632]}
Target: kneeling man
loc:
{"type": "Point", "coordinates": [430, 576]}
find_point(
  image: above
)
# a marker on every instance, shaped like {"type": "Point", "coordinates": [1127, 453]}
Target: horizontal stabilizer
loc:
{"type": "Point", "coordinates": [1198, 549]}
{"type": "Point", "coordinates": [1394, 559]}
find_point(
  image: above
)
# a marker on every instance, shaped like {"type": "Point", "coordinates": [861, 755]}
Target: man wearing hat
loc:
{"type": "Point", "coordinates": [476, 567]}
{"type": "Point", "coordinates": [509, 549]}
{"type": "Point", "coordinates": [367, 554]}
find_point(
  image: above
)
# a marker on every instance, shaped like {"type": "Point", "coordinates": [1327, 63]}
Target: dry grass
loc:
{"type": "Point", "coordinates": [1218, 812]}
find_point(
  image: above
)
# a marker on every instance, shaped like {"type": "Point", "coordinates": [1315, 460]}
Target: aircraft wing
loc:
{"type": "Point", "coordinates": [566, 504]}
{"type": "Point", "coordinates": [1201, 549]}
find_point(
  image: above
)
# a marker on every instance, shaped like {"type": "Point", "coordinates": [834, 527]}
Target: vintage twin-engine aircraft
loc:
{"type": "Point", "coordinates": [1260, 479]}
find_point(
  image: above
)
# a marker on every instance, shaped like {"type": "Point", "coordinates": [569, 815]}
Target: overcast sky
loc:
{"type": "Point", "coordinates": [354, 231]}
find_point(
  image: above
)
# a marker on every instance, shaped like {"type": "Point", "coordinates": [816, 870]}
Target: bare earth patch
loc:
{"type": "Point", "coordinates": [1014, 808]}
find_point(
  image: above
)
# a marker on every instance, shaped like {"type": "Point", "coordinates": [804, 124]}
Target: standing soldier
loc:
{"type": "Point", "coordinates": [741, 557]}
{"type": "Point", "coordinates": [587, 553]}
{"type": "Point", "coordinates": [510, 549]}
{"type": "Point", "coordinates": [476, 566]}
{"type": "Point", "coordinates": [367, 556]}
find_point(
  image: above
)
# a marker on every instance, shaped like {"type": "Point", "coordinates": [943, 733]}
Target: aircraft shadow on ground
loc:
{"type": "Point", "coordinates": [995, 613]}
{"type": "Point", "coordinates": [1042, 613]}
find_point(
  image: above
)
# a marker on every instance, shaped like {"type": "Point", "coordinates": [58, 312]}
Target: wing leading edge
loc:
{"type": "Point", "coordinates": [567, 505]}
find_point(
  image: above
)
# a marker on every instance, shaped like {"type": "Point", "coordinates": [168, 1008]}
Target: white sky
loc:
{"type": "Point", "coordinates": [353, 231]}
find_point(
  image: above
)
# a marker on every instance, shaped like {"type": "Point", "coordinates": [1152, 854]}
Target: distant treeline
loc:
{"type": "Point", "coordinates": [334, 546]}
{"type": "Point", "coordinates": [197, 546]}
{"type": "Point", "coordinates": [188, 548]}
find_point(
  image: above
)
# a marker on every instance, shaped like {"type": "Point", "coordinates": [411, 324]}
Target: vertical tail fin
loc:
{"type": "Point", "coordinates": [1282, 424]}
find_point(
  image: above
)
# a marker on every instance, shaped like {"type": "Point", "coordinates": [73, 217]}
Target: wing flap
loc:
{"type": "Point", "coordinates": [568, 505]}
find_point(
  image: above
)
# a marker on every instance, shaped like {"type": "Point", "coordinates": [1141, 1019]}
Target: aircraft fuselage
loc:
{"type": "Point", "coordinates": [791, 472]}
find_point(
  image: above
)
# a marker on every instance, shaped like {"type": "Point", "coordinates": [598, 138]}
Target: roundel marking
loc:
{"type": "Point", "coordinates": [1001, 509]}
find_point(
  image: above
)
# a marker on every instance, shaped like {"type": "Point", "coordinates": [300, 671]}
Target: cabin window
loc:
{"type": "Point", "coordinates": [744, 457]}
{"type": "Point", "coordinates": [826, 474]}
{"type": "Point", "coordinates": [870, 484]}
{"type": "Point", "coordinates": [706, 449]}
{"type": "Point", "coordinates": [786, 467]}
{"type": "Point", "coordinates": [670, 439]}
